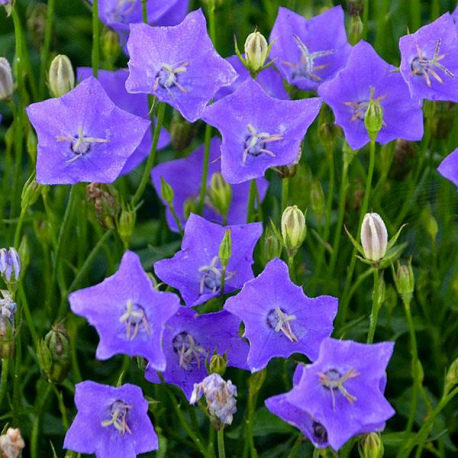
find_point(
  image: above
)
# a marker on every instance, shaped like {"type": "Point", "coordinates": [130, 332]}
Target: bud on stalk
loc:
{"type": "Point", "coordinates": [374, 237]}
{"type": "Point", "coordinates": [61, 76]}
{"type": "Point", "coordinates": [220, 194]}
{"type": "Point", "coordinates": [256, 51]}
{"type": "Point", "coordinates": [6, 79]}
{"type": "Point", "coordinates": [293, 229]}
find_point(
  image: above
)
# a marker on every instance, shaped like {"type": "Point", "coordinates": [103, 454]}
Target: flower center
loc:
{"type": "Point", "coordinates": [279, 321]}
{"type": "Point", "coordinates": [167, 77]}
{"type": "Point", "coordinates": [255, 143]}
{"type": "Point", "coordinates": [188, 350]}
{"type": "Point", "coordinates": [306, 68]}
{"type": "Point", "coordinates": [80, 145]}
{"type": "Point", "coordinates": [118, 412]}
{"type": "Point", "coordinates": [133, 317]}
{"type": "Point", "coordinates": [360, 108]}
{"type": "Point", "coordinates": [211, 275]}
{"type": "Point", "coordinates": [320, 432]}
{"type": "Point", "coordinates": [422, 66]}
{"type": "Point", "coordinates": [332, 379]}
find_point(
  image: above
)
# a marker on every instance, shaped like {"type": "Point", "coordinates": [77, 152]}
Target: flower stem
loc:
{"type": "Point", "coordinates": [375, 308]}
{"type": "Point", "coordinates": [46, 46]}
{"type": "Point", "coordinates": [41, 400]}
{"type": "Point", "coordinates": [17, 234]}
{"type": "Point", "coordinates": [95, 38]}
{"type": "Point", "coordinates": [144, 12]}
{"type": "Point", "coordinates": [4, 380]}
{"type": "Point", "coordinates": [251, 199]}
{"type": "Point", "coordinates": [152, 155]}
{"type": "Point", "coordinates": [203, 186]}
{"type": "Point", "coordinates": [221, 450]}
{"type": "Point", "coordinates": [211, 20]}
{"type": "Point", "coordinates": [284, 193]}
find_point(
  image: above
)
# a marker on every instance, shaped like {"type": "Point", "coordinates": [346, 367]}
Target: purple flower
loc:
{"type": "Point", "coordinates": [189, 339]}
{"type": "Point", "coordinates": [110, 422]}
{"type": "Point", "coordinates": [10, 264]}
{"type": "Point", "coordinates": [340, 395]}
{"type": "Point", "coordinates": [185, 177]}
{"type": "Point", "coordinates": [179, 65]}
{"type": "Point", "coordinates": [128, 313]}
{"type": "Point", "coordinates": [114, 84]}
{"type": "Point", "coordinates": [368, 75]}
{"type": "Point", "coordinates": [455, 18]}
{"type": "Point", "coordinates": [82, 136]}
{"type": "Point", "coordinates": [449, 167]}
{"type": "Point", "coordinates": [430, 60]}
{"type": "Point", "coordinates": [280, 319]}
{"type": "Point", "coordinates": [308, 52]}
{"type": "Point", "coordinates": [269, 79]}
{"type": "Point", "coordinates": [196, 270]}
{"type": "Point", "coordinates": [259, 131]}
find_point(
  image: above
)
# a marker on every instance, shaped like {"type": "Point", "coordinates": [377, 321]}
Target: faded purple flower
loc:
{"type": "Point", "coordinates": [185, 177]}
{"type": "Point", "coordinates": [82, 136]}
{"type": "Point", "coordinates": [10, 264]}
{"type": "Point", "coordinates": [114, 83]}
{"type": "Point", "coordinates": [269, 79]}
{"type": "Point", "coordinates": [280, 319]}
{"type": "Point", "coordinates": [429, 61]}
{"type": "Point", "coordinates": [340, 395]}
{"type": "Point", "coordinates": [128, 313]}
{"type": "Point", "coordinates": [449, 167]}
{"type": "Point", "coordinates": [308, 52]}
{"type": "Point", "coordinates": [368, 76]}
{"type": "Point", "coordinates": [110, 422]}
{"type": "Point", "coordinates": [259, 131]}
{"type": "Point", "coordinates": [196, 270]}
{"type": "Point", "coordinates": [190, 339]}
{"type": "Point", "coordinates": [179, 65]}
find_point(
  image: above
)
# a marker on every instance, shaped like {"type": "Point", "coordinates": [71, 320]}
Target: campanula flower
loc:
{"type": "Point", "coordinates": [114, 83]}
{"type": "Point", "coordinates": [269, 79]}
{"type": "Point", "coordinates": [259, 131]}
{"type": "Point", "coordinates": [340, 395]}
{"type": "Point", "coordinates": [179, 65]}
{"type": "Point", "coordinates": [368, 78]}
{"type": "Point", "coordinates": [429, 63]}
{"type": "Point", "coordinates": [280, 319]}
{"type": "Point", "coordinates": [128, 313]}
{"type": "Point", "coordinates": [110, 422]}
{"type": "Point", "coordinates": [82, 136]}
{"type": "Point", "coordinates": [185, 178]}
{"type": "Point", "coordinates": [449, 167]}
{"type": "Point", "coordinates": [309, 51]}
{"type": "Point", "coordinates": [190, 341]}
{"type": "Point", "coordinates": [10, 264]}
{"type": "Point", "coordinates": [196, 269]}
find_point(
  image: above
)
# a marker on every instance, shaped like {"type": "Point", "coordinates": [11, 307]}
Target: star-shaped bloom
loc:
{"type": "Point", "coordinates": [259, 131]}
{"type": "Point", "coordinates": [82, 136]}
{"type": "Point", "coordinates": [429, 63]}
{"type": "Point", "coordinates": [128, 313]}
{"type": "Point", "coordinates": [179, 65]}
{"type": "Point", "coordinates": [449, 167]}
{"type": "Point", "coordinates": [340, 395]}
{"type": "Point", "coordinates": [309, 52]}
{"type": "Point", "coordinates": [114, 83]}
{"type": "Point", "coordinates": [190, 340]}
{"type": "Point", "coordinates": [185, 177]}
{"type": "Point", "coordinates": [196, 270]}
{"type": "Point", "coordinates": [367, 76]}
{"type": "Point", "coordinates": [281, 319]}
{"type": "Point", "coordinates": [110, 422]}
{"type": "Point", "coordinates": [269, 79]}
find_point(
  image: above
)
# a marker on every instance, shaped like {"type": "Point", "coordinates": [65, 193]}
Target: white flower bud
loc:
{"type": "Point", "coordinates": [6, 79]}
{"type": "Point", "coordinates": [293, 228]}
{"type": "Point", "coordinates": [256, 51]}
{"type": "Point", "coordinates": [374, 237]}
{"type": "Point", "coordinates": [61, 76]}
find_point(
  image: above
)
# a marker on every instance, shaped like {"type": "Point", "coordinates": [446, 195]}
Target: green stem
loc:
{"type": "Point", "coordinates": [95, 38]}
{"type": "Point", "coordinates": [144, 12]}
{"type": "Point", "coordinates": [211, 21]}
{"type": "Point", "coordinates": [4, 380]}
{"type": "Point", "coordinates": [46, 46]}
{"type": "Point", "coordinates": [296, 446]}
{"type": "Point", "coordinates": [62, 409]}
{"type": "Point", "coordinates": [221, 450]}
{"type": "Point", "coordinates": [17, 234]}
{"type": "Point", "coordinates": [175, 217]}
{"type": "Point", "coordinates": [366, 18]}
{"type": "Point", "coordinates": [375, 308]}
{"type": "Point", "coordinates": [284, 193]}
{"type": "Point", "coordinates": [41, 400]}
{"type": "Point", "coordinates": [152, 155]}
{"type": "Point", "coordinates": [415, 15]}
{"type": "Point", "coordinates": [203, 185]}
{"type": "Point", "coordinates": [251, 199]}
{"type": "Point", "coordinates": [28, 315]}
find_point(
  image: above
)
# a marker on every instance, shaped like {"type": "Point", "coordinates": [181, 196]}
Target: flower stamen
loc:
{"type": "Point", "coordinates": [211, 276]}
{"type": "Point", "coordinates": [188, 350]}
{"type": "Point", "coordinates": [279, 321]}
{"type": "Point", "coordinates": [133, 317]}
{"type": "Point", "coordinates": [255, 143]}
{"type": "Point", "coordinates": [118, 414]}
{"type": "Point", "coordinates": [80, 144]}
{"type": "Point", "coordinates": [332, 380]}
{"type": "Point", "coordinates": [167, 77]}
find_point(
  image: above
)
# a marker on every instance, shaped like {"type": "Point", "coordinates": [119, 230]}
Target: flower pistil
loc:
{"type": "Point", "coordinates": [255, 143]}
{"type": "Point", "coordinates": [80, 144]}
{"type": "Point", "coordinates": [279, 320]}
{"type": "Point", "coordinates": [332, 380]}
{"type": "Point", "coordinates": [133, 317]}
{"type": "Point", "coordinates": [118, 412]}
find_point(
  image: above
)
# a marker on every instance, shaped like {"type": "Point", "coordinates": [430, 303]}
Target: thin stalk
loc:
{"type": "Point", "coordinates": [211, 20]}
{"type": "Point", "coordinates": [17, 234]}
{"type": "Point", "coordinates": [152, 155]}
{"type": "Point", "coordinates": [46, 46]}
{"type": "Point", "coordinates": [284, 193]}
{"type": "Point", "coordinates": [28, 315]}
{"type": "Point", "coordinates": [62, 409]}
{"type": "Point", "coordinates": [177, 220]}
{"type": "Point", "coordinates": [144, 12]}
{"type": "Point", "coordinates": [366, 18]}
{"type": "Point", "coordinates": [296, 446]}
{"type": "Point", "coordinates": [4, 380]}
{"type": "Point", "coordinates": [251, 216]}
{"type": "Point", "coordinates": [221, 450]}
{"type": "Point", "coordinates": [95, 38]}
{"type": "Point", "coordinates": [203, 185]}
{"type": "Point", "coordinates": [415, 15]}
{"type": "Point", "coordinates": [375, 308]}
{"type": "Point", "coordinates": [41, 400]}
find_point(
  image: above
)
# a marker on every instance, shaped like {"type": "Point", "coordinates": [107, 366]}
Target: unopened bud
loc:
{"type": "Point", "coordinates": [293, 228]}
{"type": "Point", "coordinates": [126, 225]}
{"type": "Point", "coordinates": [8, 309]}
{"type": "Point", "coordinates": [374, 237]}
{"type": "Point", "coordinates": [272, 245]}
{"type": "Point", "coordinates": [24, 253]}
{"type": "Point", "coordinates": [166, 191]}
{"type": "Point", "coordinates": [405, 280]}
{"type": "Point", "coordinates": [110, 46]}
{"type": "Point", "coordinates": [182, 132]}
{"type": "Point", "coordinates": [104, 198]}
{"type": "Point", "coordinates": [256, 51]}
{"type": "Point", "coordinates": [451, 379]}
{"type": "Point", "coordinates": [257, 381]}
{"type": "Point", "coordinates": [11, 443]}
{"type": "Point", "coordinates": [225, 248]}
{"type": "Point", "coordinates": [10, 265]}
{"type": "Point", "coordinates": [61, 76]}
{"type": "Point", "coordinates": [317, 199]}
{"type": "Point", "coordinates": [356, 29]}
{"type": "Point", "coordinates": [355, 7]}
{"type": "Point", "coordinates": [373, 118]}
{"type": "Point", "coordinates": [6, 79]}
{"type": "Point", "coordinates": [190, 206]}
{"type": "Point", "coordinates": [218, 364]}
{"type": "Point", "coordinates": [30, 193]}
{"type": "Point", "coordinates": [431, 226]}
{"type": "Point", "coordinates": [220, 194]}
{"type": "Point", "coordinates": [371, 446]}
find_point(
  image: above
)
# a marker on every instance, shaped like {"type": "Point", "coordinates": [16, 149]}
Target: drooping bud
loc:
{"type": "Point", "coordinates": [317, 200]}
{"type": "Point", "coordinates": [293, 228]}
{"type": "Point", "coordinates": [371, 446]}
{"type": "Point", "coordinates": [8, 310]}
{"type": "Point", "coordinates": [10, 265]}
{"type": "Point", "coordinates": [220, 396]}
{"type": "Point", "coordinates": [220, 194]}
{"type": "Point", "coordinates": [11, 443]}
{"type": "Point", "coordinates": [405, 280]}
{"type": "Point", "coordinates": [373, 118]}
{"type": "Point", "coordinates": [218, 364]}
{"type": "Point", "coordinates": [110, 46]}
{"type": "Point", "coordinates": [104, 198]}
{"type": "Point", "coordinates": [451, 379]}
{"type": "Point", "coordinates": [182, 132]}
{"type": "Point", "coordinates": [225, 248]}
{"type": "Point", "coordinates": [61, 76]}
{"type": "Point", "coordinates": [256, 51]}
{"type": "Point", "coordinates": [374, 237]}
{"type": "Point", "coordinates": [6, 79]}
{"type": "Point", "coordinates": [54, 354]}
{"type": "Point", "coordinates": [126, 225]}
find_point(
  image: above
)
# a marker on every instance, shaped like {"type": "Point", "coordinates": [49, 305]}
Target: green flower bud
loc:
{"type": "Point", "coordinates": [220, 194]}
{"type": "Point", "coordinates": [126, 225]}
{"type": "Point", "coordinates": [356, 29]}
{"type": "Point", "coordinates": [355, 7]}
{"type": "Point", "coordinates": [190, 206]}
{"type": "Point", "coordinates": [317, 199]}
{"type": "Point", "coordinates": [61, 76]}
{"type": "Point", "coordinates": [373, 118]}
{"type": "Point", "coordinates": [256, 51]}
{"type": "Point", "coordinates": [24, 253]}
{"type": "Point", "coordinates": [166, 192]}
{"type": "Point", "coordinates": [225, 248]}
{"type": "Point", "coordinates": [54, 354]}
{"type": "Point", "coordinates": [273, 245]}
{"type": "Point", "coordinates": [32, 143]}
{"type": "Point", "coordinates": [110, 46]}
{"type": "Point", "coordinates": [256, 381]}
{"type": "Point", "coordinates": [430, 224]}
{"type": "Point", "coordinates": [371, 446]}
{"type": "Point", "coordinates": [218, 364]}
{"type": "Point", "coordinates": [6, 79]}
{"type": "Point", "coordinates": [405, 280]}
{"type": "Point", "coordinates": [30, 193]}
{"type": "Point", "coordinates": [104, 199]}
{"type": "Point", "coordinates": [293, 228]}
{"type": "Point", "coordinates": [182, 132]}
{"type": "Point", "coordinates": [374, 237]}
{"type": "Point", "coordinates": [451, 379]}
